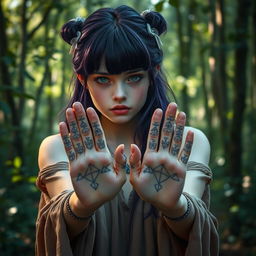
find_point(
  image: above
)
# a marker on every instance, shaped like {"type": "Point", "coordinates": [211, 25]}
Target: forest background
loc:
{"type": "Point", "coordinates": [210, 59]}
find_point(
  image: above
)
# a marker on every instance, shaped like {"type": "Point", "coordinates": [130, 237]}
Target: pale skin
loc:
{"type": "Point", "coordinates": [159, 179]}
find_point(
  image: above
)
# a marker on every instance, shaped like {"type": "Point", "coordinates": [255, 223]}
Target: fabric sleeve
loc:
{"type": "Point", "coordinates": [203, 237]}
{"type": "Point", "coordinates": [51, 234]}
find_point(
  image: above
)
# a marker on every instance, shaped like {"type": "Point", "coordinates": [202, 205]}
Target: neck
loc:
{"type": "Point", "coordinates": [117, 134]}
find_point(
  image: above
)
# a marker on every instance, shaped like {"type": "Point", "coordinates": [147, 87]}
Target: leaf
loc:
{"type": "Point", "coordinates": [174, 3]}
{"type": "Point", "coordinates": [32, 179]}
{"type": "Point", "coordinates": [16, 178]}
{"type": "Point", "coordinates": [17, 162]}
{"type": "Point", "coordinates": [159, 6]}
{"type": "Point", "coordinates": [30, 77]}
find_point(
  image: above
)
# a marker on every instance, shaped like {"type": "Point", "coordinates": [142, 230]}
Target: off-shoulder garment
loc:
{"type": "Point", "coordinates": [120, 229]}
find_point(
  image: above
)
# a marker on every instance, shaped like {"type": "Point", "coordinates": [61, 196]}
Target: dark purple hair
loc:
{"type": "Point", "coordinates": [120, 36]}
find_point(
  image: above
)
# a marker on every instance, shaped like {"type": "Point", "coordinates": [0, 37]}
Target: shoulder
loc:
{"type": "Point", "coordinates": [201, 147]}
{"type": "Point", "coordinates": [51, 151]}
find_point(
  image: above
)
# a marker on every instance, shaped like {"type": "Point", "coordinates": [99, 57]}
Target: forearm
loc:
{"type": "Point", "coordinates": [77, 216]}
{"type": "Point", "coordinates": [180, 219]}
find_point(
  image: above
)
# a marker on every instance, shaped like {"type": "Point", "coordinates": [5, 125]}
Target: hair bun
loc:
{"type": "Point", "coordinates": [156, 20]}
{"type": "Point", "coordinates": [69, 29]}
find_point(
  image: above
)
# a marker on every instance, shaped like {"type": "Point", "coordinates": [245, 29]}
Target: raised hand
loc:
{"type": "Point", "coordinates": [159, 179]}
{"type": "Point", "coordinates": [96, 177]}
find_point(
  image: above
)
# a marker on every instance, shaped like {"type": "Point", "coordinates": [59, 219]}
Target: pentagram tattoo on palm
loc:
{"type": "Point", "coordinates": [161, 175]}
{"type": "Point", "coordinates": [91, 175]}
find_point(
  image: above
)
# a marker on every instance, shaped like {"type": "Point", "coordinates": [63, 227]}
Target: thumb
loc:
{"type": "Point", "coordinates": [135, 161]}
{"type": "Point", "coordinates": [120, 159]}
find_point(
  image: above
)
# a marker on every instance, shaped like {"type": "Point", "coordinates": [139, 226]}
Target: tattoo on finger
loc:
{"type": "Point", "coordinates": [186, 152]}
{"type": "Point", "coordinates": [74, 130]}
{"type": "Point", "coordinates": [96, 129]}
{"type": "Point", "coordinates": [178, 133]}
{"type": "Point", "coordinates": [101, 144]}
{"type": "Point", "coordinates": [155, 129]}
{"type": "Point", "coordinates": [79, 148]}
{"type": "Point", "coordinates": [71, 156]}
{"type": "Point", "coordinates": [88, 142]}
{"type": "Point", "coordinates": [165, 142]}
{"type": "Point", "coordinates": [67, 142]}
{"type": "Point", "coordinates": [152, 144]}
{"type": "Point", "coordinates": [168, 126]}
{"type": "Point", "coordinates": [175, 149]}
{"type": "Point", "coordinates": [84, 126]}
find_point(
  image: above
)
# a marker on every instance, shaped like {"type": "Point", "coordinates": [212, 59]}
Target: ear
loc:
{"type": "Point", "coordinates": [81, 79]}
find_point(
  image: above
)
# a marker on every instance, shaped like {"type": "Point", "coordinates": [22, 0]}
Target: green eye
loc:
{"type": "Point", "coordinates": [102, 80]}
{"type": "Point", "coordinates": [134, 78]}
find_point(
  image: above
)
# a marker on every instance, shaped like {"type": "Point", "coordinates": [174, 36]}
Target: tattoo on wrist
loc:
{"type": "Point", "coordinates": [161, 175]}
{"type": "Point", "coordinates": [91, 175]}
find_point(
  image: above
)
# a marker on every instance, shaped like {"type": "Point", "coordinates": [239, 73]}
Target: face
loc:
{"type": "Point", "coordinates": [118, 97]}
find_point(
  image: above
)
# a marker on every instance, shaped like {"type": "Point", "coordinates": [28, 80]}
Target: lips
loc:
{"type": "Point", "coordinates": [120, 109]}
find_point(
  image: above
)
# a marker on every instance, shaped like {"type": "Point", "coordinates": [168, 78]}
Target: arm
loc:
{"type": "Point", "coordinates": [161, 178]}
{"type": "Point", "coordinates": [92, 174]}
{"type": "Point", "coordinates": [52, 152]}
{"type": "Point", "coordinates": [194, 185]}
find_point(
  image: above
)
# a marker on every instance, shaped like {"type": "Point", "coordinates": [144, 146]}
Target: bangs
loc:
{"type": "Point", "coordinates": [119, 47]}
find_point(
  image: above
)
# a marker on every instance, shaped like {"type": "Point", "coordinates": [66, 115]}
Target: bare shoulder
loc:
{"type": "Point", "coordinates": [201, 147]}
{"type": "Point", "coordinates": [51, 151]}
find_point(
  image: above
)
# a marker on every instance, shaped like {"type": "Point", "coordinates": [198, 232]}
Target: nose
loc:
{"type": "Point", "coordinates": [119, 93]}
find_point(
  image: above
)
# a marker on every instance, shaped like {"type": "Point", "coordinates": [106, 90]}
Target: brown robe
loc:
{"type": "Point", "coordinates": [120, 229]}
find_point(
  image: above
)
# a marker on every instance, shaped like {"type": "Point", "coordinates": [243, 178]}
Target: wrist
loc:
{"type": "Point", "coordinates": [77, 208]}
{"type": "Point", "coordinates": [180, 211]}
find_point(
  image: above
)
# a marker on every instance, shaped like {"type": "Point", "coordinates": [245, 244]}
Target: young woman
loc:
{"type": "Point", "coordinates": [124, 176]}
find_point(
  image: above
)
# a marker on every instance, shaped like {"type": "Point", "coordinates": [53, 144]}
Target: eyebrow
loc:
{"type": "Point", "coordinates": [128, 72]}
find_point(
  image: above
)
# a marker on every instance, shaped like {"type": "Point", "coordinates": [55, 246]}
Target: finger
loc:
{"type": "Point", "coordinates": [153, 136]}
{"type": "Point", "coordinates": [178, 133]}
{"type": "Point", "coordinates": [83, 126]}
{"type": "Point", "coordinates": [167, 130]}
{"type": "Point", "coordinates": [120, 160]}
{"type": "Point", "coordinates": [74, 132]}
{"type": "Point", "coordinates": [135, 162]}
{"type": "Point", "coordinates": [98, 134]}
{"type": "Point", "coordinates": [185, 153]}
{"type": "Point", "coordinates": [67, 141]}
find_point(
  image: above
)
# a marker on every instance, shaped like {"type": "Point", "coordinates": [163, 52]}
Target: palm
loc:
{"type": "Point", "coordinates": [95, 177]}
{"type": "Point", "coordinates": [159, 179]}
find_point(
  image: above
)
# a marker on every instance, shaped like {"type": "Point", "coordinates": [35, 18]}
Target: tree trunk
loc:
{"type": "Point", "coordinates": [185, 51]}
{"type": "Point", "coordinates": [240, 85]}
{"type": "Point", "coordinates": [23, 52]}
{"type": "Point", "coordinates": [218, 65]}
{"type": "Point", "coordinates": [17, 145]}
